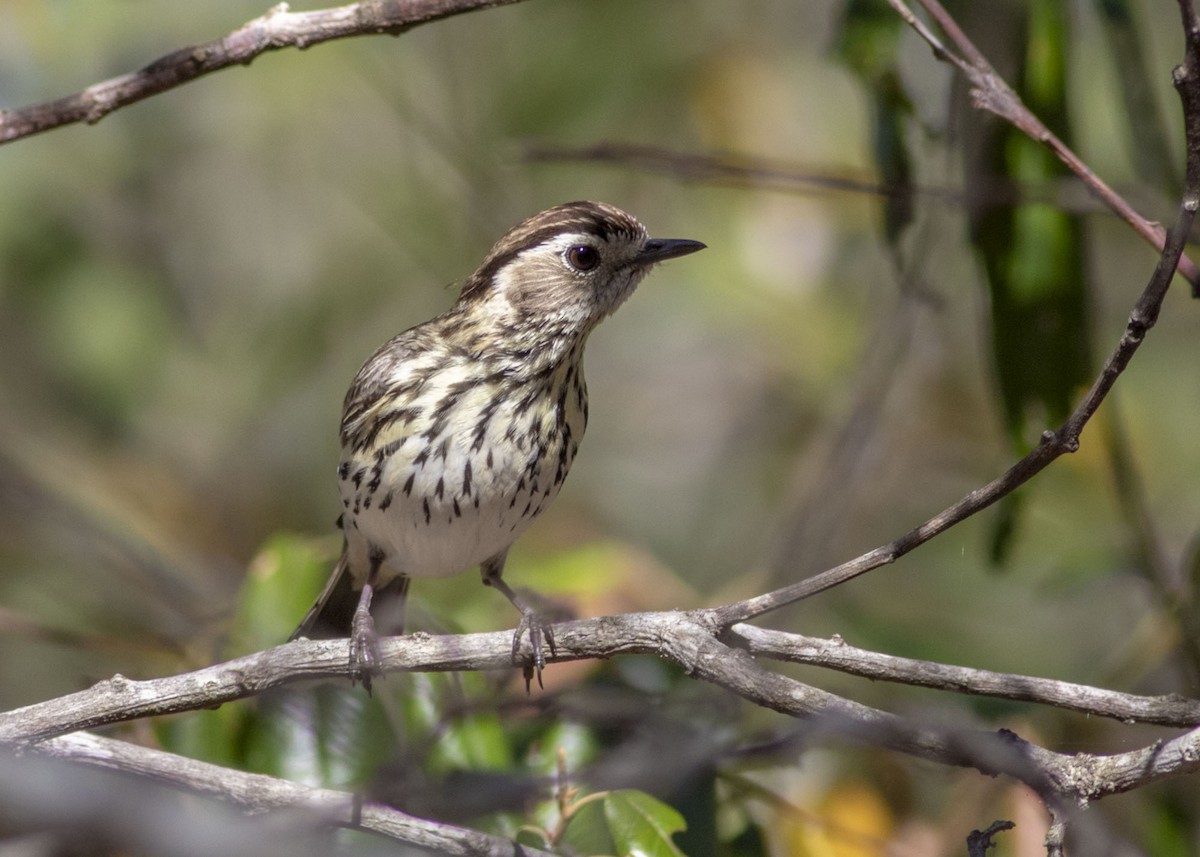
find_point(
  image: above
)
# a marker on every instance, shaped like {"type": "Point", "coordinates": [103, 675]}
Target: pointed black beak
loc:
{"type": "Point", "coordinates": [661, 249]}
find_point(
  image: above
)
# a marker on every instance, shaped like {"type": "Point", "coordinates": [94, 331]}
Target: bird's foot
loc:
{"type": "Point", "coordinates": [534, 622]}
{"type": "Point", "coordinates": [365, 658]}
{"type": "Point", "coordinates": [541, 637]}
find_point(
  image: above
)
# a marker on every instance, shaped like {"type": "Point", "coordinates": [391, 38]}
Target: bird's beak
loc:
{"type": "Point", "coordinates": [661, 249]}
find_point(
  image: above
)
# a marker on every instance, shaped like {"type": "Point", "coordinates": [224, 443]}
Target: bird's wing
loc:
{"type": "Point", "coordinates": [383, 385]}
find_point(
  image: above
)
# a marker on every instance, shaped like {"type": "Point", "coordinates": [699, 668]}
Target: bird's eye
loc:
{"type": "Point", "coordinates": [583, 257]}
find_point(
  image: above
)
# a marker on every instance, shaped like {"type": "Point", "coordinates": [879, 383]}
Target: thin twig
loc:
{"type": "Point", "coordinates": [277, 29]}
{"type": "Point", "coordinates": [1170, 710]}
{"type": "Point", "coordinates": [726, 168]}
{"type": "Point", "coordinates": [1052, 444]}
{"type": "Point", "coordinates": [743, 171]}
{"type": "Point", "coordinates": [990, 92]}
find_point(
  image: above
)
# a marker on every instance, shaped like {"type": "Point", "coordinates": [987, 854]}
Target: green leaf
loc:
{"type": "Point", "coordinates": [474, 742]}
{"type": "Point", "coordinates": [588, 832]}
{"type": "Point", "coordinates": [1032, 250]}
{"type": "Point", "coordinates": [641, 825]}
{"type": "Point", "coordinates": [890, 110]}
{"type": "Point", "coordinates": [869, 35]}
{"type": "Point", "coordinates": [282, 584]}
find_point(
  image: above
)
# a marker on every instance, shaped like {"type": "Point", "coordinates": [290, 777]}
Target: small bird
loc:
{"type": "Point", "coordinates": [458, 433]}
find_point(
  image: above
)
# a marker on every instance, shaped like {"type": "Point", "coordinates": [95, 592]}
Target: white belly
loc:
{"type": "Point", "coordinates": [434, 531]}
{"type": "Point", "coordinates": [436, 507]}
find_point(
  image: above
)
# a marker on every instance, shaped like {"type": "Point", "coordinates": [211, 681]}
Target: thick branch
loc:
{"type": "Point", "coordinates": [671, 635]}
{"type": "Point", "coordinates": [119, 699]}
{"type": "Point", "coordinates": [690, 640]}
{"type": "Point", "coordinates": [278, 28]}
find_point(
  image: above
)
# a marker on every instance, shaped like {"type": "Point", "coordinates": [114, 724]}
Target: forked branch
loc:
{"type": "Point", "coordinates": [1065, 438]}
{"type": "Point", "coordinates": [694, 641]}
{"type": "Point", "coordinates": [992, 93]}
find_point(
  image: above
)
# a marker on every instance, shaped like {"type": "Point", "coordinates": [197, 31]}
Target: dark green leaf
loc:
{"type": "Point", "coordinates": [867, 44]}
{"type": "Point", "coordinates": [1032, 251]}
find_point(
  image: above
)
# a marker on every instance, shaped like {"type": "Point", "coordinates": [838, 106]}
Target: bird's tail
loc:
{"type": "Point", "coordinates": [330, 617]}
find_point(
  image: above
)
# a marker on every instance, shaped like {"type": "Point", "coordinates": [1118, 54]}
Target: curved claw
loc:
{"type": "Point", "coordinates": [538, 629]}
{"type": "Point", "coordinates": [365, 657]}
{"type": "Point", "coordinates": [532, 623]}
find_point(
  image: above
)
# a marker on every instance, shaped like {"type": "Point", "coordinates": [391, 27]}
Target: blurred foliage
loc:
{"type": "Point", "coordinates": [1032, 250]}
{"type": "Point", "coordinates": [869, 43]}
{"type": "Point", "coordinates": [187, 287]}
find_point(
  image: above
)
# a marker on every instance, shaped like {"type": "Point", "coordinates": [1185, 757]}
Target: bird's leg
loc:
{"type": "Point", "coordinates": [532, 623]}
{"type": "Point", "coordinates": [364, 642]}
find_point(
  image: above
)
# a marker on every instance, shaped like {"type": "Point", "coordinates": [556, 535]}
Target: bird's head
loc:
{"type": "Point", "coordinates": [569, 266]}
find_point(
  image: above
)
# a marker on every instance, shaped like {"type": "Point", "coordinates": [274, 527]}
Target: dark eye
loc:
{"type": "Point", "coordinates": [583, 257]}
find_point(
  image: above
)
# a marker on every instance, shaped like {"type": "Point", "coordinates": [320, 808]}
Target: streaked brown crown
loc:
{"type": "Point", "coordinates": [595, 218]}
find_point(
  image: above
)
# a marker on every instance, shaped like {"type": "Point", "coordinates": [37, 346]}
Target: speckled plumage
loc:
{"type": "Point", "coordinates": [457, 433]}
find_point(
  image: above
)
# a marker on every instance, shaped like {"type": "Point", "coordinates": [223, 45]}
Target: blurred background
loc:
{"type": "Point", "coordinates": [187, 288]}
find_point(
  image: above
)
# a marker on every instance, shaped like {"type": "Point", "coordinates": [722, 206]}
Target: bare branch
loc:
{"type": "Point", "coordinates": [992, 93]}
{"type": "Point", "coordinates": [259, 793]}
{"type": "Point", "coordinates": [727, 169]}
{"type": "Point", "coordinates": [1052, 445]}
{"type": "Point", "coordinates": [736, 170]}
{"type": "Point", "coordinates": [690, 640]}
{"type": "Point", "coordinates": [1057, 777]}
{"type": "Point", "coordinates": [1172, 710]}
{"type": "Point", "coordinates": [119, 699]}
{"type": "Point", "coordinates": [279, 28]}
